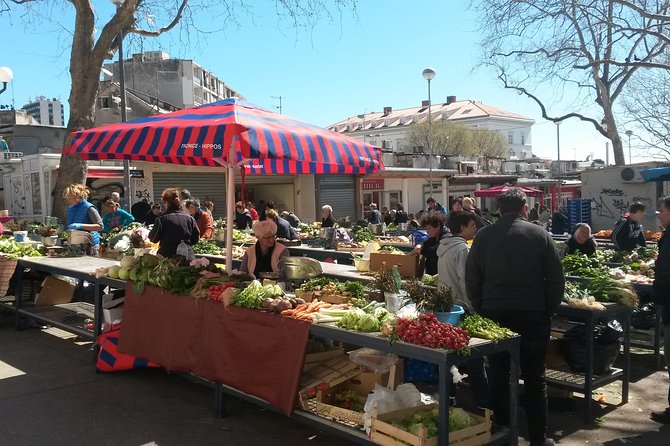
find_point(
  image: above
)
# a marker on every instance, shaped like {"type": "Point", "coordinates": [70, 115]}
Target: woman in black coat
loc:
{"type": "Point", "coordinates": [433, 222]}
{"type": "Point", "coordinates": [174, 226]}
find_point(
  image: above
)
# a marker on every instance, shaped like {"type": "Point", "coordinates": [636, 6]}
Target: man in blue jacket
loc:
{"type": "Point", "coordinates": [662, 293]}
{"type": "Point", "coordinates": [514, 276]}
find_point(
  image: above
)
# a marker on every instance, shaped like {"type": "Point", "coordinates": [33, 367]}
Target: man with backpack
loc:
{"type": "Point", "coordinates": [628, 233]}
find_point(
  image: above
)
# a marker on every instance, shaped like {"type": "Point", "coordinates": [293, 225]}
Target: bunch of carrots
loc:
{"type": "Point", "coordinates": [306, 310]}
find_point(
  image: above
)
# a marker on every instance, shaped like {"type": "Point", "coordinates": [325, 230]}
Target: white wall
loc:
{"type": "Point", "coordinates": [611, 196]}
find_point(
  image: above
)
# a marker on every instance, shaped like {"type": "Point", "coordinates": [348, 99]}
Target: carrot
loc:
{"type": "Point", "coordinates": [288, 312]}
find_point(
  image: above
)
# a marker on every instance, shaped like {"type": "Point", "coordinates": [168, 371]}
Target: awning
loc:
{"type": "Point", "coordinates": [499, 190]}
{"type": "Point", "coordinates": [107, 172]}
{"type": "Point", "coordinates": [656, 174]}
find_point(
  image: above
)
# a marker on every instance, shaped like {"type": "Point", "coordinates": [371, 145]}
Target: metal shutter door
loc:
{"type": "Point", "coordinates": [338, 191]}
{"type": "Point", "coordinates": [202, 185]}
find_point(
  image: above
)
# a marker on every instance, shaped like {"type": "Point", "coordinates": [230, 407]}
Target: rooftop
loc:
{"type": "Point", "coordinates": [450, 110]}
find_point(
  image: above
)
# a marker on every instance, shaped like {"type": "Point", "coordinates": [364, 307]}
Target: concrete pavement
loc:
{"type": "Point", "coordinates": [51, 395]}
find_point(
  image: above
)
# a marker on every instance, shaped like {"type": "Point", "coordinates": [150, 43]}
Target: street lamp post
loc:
{"type": "Point", "coordinates": [6, 77]}
{"type": "Point", "coordinates": [124, 113]}
{"type": "Point", "coordinates": [429, 74]}
{"type": "Point", "coordinates": [629, 133]}
{"type": "Point", "coordinates": [558, 148]}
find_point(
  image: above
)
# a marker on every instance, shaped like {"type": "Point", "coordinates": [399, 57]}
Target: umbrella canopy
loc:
{"type": "Point", "coordinates": [498, 190]}
{"type": "Point", "coordinates": [203, 136]}
{"type": "Point", "coordinates": [229, 133]}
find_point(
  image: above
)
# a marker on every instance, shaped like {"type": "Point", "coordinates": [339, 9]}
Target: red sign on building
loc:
{"type": "Point", "coordinates": [372, 185]}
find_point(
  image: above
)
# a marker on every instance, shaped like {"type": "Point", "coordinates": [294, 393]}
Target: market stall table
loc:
{"type": "Point", "coordinates": [69, 317]}
{"type": "Point", "coordinates": [586, 382]}
{"type": "Point", "coordinates": [227, 344]}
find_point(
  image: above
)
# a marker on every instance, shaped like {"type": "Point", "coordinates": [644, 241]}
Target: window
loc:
{"type": "Point", "coordinates": [510, 138]}
{"type": "Point", "coordinates": [104, 102]}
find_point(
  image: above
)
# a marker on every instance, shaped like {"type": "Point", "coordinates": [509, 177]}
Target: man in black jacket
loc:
{"type": "Point", "coordinates": [515, 277]}
{"type": "Point", "coordinates": [628, 233]}
{"type": "Point", "coordinates": [662, 293]}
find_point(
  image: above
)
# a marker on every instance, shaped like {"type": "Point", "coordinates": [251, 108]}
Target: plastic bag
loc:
{"type": "Point", "coordinates": [385, 400]}
{"type": "Point", "coordinates": [185, 251]}
{"type": "Point", "coordinates": [374, 360]}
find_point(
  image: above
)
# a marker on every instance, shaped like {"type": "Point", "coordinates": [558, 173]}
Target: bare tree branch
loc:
{"type": "Point", "coordinates": [164, 29]}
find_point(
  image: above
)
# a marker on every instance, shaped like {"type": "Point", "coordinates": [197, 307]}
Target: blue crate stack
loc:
{"type": "Point", "coordinates": [579, 211]}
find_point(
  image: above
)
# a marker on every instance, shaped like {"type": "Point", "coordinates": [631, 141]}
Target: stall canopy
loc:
{"type": "Point", "coordinates": [230, 133]}
{"type": "Point", "coordinates": [202, 136]}
{"type": "Point", "coordinates": [656, 174]}
{"type": "Point", "coordinates": [498, 190]}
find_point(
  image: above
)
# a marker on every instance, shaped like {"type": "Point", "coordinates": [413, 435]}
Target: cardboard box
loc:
{"type": "Point", "coordinates": [407, 264]}
{"type": "Point", "coordinates": [555, 359]}
{"type": "Point", "coordinates": [328, 406]}
{"type": "Point", "coordinates": [54, 291]}
{"type": "Point", "coordinates": [364, 383]}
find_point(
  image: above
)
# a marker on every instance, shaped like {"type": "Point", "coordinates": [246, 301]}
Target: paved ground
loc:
{"type": "Point", "coordinates": [50, 395]}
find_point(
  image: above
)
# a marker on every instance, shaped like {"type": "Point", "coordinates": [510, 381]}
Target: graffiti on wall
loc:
{"type": "Point", "coordinates": [143, 189]}
{"type": "Point", "coordinates": [612, 192]}
{"type": "Point", "coordinates": [621, 205]}
{"type": "Point", "coordinates": [600, 207]}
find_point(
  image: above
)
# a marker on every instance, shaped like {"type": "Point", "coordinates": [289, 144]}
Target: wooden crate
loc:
{"type": "Point", "coordinates": [385, 434]}
{"type": "Point", "coordinates": [346, 248]}
{"type": "Point", "coordinates": [326, 375]}
{"type": "Point", "coordinates": [313, 360]}
{"type": "Point", "coordinates": [326, 407]}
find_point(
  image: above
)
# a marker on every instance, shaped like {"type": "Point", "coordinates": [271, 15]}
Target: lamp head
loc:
{"type": "Point", "coordinates": [6, 74]}
{"type": "Point", "coordinates": [629, 132]}
{"type": "Point", "coordinates": [117, 2]}
{"type": "Point", "coordinates": [428, 74]}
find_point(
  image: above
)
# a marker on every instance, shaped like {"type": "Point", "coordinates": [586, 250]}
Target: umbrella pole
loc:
{"type": "Point", "coordinates": [230, 209]}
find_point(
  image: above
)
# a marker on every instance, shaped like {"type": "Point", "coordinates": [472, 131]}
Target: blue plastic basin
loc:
{"type": "Point", "coordinates": [453, 317]}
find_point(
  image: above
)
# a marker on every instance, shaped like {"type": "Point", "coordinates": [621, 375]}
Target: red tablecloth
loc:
{"type": "Point", "coordinates": [259, 353]}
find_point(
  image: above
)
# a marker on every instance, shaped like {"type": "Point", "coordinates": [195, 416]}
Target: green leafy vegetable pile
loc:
{"type": "Point", "coordinates": [204, 247]}
{"type": "Point", "coordinates": [481, 327]}
{"type": "Point", "coordinates": [429, 418]}
{"type": "Point", "coordinates": [10, 249]}
{"type": "Point", "coordinates": [364, 235]}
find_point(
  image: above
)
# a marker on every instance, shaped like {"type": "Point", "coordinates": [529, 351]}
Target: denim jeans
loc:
{"type": "Point", "coordinates": [534, 328]}
{"type": "Point", "coordinates": [666, 350]}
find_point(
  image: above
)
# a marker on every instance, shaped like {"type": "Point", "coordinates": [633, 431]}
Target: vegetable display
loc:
{"type": "Point", "coordinates": [253, 295]}
{"type": "Point", "coordinates": [368, 319]}
{"type": "Point", "coordinates": [484, 328]}
{"type": "Point", "coordinates": [428, 331]}
{"type": "Point", "coordinates": [204, 246]}
{"type": "Point", "coordinates": [364, 235]}
{"type": "Point", "coordinates": [429, 418]}
{"type": "Point", "coordinates": [10, 249]}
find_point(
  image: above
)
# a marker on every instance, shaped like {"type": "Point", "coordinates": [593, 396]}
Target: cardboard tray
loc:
{"type": "Point", "coordinates": [407, 264]}
{"type": "Point", "coordinates": [385, 434]}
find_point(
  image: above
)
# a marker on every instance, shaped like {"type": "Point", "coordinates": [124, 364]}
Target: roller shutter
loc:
{"type": "Point", "coordinates": [338, 191]}
{"type": "Point", "coordinates": [202, 185]}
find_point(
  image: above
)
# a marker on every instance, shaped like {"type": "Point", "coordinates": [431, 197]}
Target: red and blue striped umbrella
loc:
{"type": "Point", "coordinates": [202, 136]}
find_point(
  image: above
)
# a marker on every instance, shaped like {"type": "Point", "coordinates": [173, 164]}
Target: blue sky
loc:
{"type": "Point", "coordinates": [339, 68]}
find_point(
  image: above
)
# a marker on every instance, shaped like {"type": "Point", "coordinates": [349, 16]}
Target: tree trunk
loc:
{"type": "Point", "coordinates": [85, 75]}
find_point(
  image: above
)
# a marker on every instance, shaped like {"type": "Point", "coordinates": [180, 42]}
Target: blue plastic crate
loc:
{"type": "Point", "coordinates": [420, 371]}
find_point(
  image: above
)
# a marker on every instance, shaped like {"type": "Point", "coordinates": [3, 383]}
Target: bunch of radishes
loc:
{"type": "Point", "coordinates": [428, 331]}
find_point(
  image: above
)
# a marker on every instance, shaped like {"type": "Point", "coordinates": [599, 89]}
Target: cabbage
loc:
{"type": "Point", "coordinates": [368, 323]}
{"type": "Point", "coordinates": [380, 313]}
{"type": "Point", "coordinates": [350, 320]}
{"type": "Point", "coordinates": [458, 419]}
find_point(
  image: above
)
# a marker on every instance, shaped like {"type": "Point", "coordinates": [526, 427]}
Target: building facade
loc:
{"type": "Point", "coordinates": [180, 82]}
{"type": "Point", "coordinates": [389, 129]}
{"type": "Point", "coordinates": [46, 111]}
